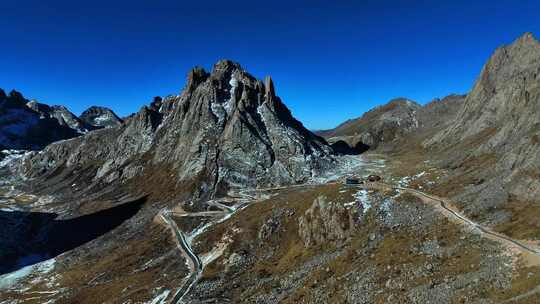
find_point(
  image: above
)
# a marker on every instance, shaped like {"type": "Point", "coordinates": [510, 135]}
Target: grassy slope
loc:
{"type": "Point", "coordinates": [284, 253]}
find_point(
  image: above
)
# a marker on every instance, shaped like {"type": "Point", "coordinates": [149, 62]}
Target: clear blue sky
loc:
{"type": "Point", "coordinates": [330, 62]}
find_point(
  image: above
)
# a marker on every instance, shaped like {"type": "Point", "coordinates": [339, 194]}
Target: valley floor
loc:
{"type": "Point", "coordinates": [323, 242]}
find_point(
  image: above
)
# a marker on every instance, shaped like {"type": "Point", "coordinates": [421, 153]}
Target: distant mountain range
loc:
{"type": "Point", "coordinates": [489, 137]}
{"type": "Point", "coordinates": [32, 125]}
{"type": "Point", "coordinates": [394, 120]}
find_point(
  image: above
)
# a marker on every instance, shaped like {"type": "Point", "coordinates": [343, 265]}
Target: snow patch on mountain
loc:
{"type": "Point", "coordinates": [11, 156]}
{"type": "Point", "coordinates": [36, 271]}
{"type": "Point", "coordinates": [161, 298]}
{"type": "Point", "coordinates": [229, 104]}
{"type": "Point", "coordinates": [219, 111]}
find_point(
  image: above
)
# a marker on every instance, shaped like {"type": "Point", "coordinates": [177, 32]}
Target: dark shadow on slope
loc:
{"type": "Point", "coordinates": [343, 148]}
{"type": "Point", "coordinates": [27, 238]}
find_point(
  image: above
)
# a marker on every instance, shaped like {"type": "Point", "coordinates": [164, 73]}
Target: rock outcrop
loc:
{"type": "Point", "coordinates": [225, 129]}
{"type": "Point", "coordinates": [325, 222]}
{"type": "Point", "coordinates": [100, 117]}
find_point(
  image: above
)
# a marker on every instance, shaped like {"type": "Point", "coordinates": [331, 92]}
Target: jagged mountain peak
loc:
{"type": "Point", "coordinates": [60, 107]}
{"type": "Point", "coordinates": [508, 62]}
{"type": "Point", "coordinates": [63, 116]}
{"type": "Point", "coordinates": [100, 117]}
{"type": "Point", "coordinates": [30, 125]}
{"type": "Point", "coordinates": [225, 66]}
{"type": "Point", "coordinates": [493, 101]}
{"type": "Point", "coordinates": [520, 47]}
{"type": "Point", "coordinates": [269, 86]}
{"type": "Point", "coordinates": [226, 129]}
{"type": "Point", "coordinates": [224, 72]}
{"type": "Point", "coordinates": [527, 38]}
{"type": "Point", "coordinates": [196, 76]}
{"type": "Point", "coordinates": [500, 115]}
{"type": "Point", "coordinates": [36, 105]}
{"type": "Point", "coordinates": [98, 109]}
{"type": "Point", "coordinates": [234, 92]}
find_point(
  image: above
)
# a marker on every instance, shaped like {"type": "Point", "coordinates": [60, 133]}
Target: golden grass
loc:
{"type": "Point", "coordinates": [467, 175]}
{"type": "Point", "coordinates": [389, 256]}
{"type": "Point", "coordinates": [524, 223]}
{"type": "Point", "coordinates": [117, 267]}
{"type": "Point", "coordinates": [525, 280]}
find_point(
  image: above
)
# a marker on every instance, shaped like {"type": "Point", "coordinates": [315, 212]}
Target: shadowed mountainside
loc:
{"type": "Point", "coordinates": [31, 237]}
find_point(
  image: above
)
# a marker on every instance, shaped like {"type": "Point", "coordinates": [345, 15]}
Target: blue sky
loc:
{"type": "Point", "coordinates": [330, 62]}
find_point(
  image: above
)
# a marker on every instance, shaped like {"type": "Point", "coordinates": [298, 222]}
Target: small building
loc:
{"type": "Point", "coordinates": [352, 181]}
{"type": "Point", "coordinates": [374, 178]}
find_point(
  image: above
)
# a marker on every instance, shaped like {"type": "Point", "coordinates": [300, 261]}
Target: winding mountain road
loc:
{"type": "Point", "coordinates": [444, 204]}
{"type": "Point", "coordinates": [242, 197]}
{"type": "Point", "coordinates": [184, 242]}
{"type": "Point", "coordinates": [185, 247]}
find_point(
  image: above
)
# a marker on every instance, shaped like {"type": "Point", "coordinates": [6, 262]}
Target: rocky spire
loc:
{"type": "Point", "coordinates": [526, 38]}
{"type": "Point", "coordinates": [269, 87]}
{"type": "Point", "coordinates": [196, 76]}
{"type": "Point", "coordinates": [156, 103]}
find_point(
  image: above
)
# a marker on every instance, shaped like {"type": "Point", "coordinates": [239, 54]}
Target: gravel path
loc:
{"type": "Point", "coordinates": [444, 204]}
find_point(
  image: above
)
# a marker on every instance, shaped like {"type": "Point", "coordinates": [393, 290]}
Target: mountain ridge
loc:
{"type": "Point", "coordinates": [29, 124]}
{"type": "Point", "coordinates": [207, 133]}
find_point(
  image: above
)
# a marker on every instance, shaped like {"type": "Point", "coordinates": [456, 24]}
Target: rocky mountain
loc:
{"type": "Point", "coordinates": [497, 130]}
{"type": "Point", "coordinates": [61, 114]}
{"type": "Point", "coordinates": [34, 126]}
{"type": "Point", "coordinates": [390, 123]}
{"type": "Point", "coordinates": [100, 117]}
{"type": "Point", "coordinates": [487, 139]}
{"type": "Point", "coordinates": [177, 204]}
{"type": "Point", "coordinates": [383, 124]}
{"type": "Point", "coordinates": [438, 113]}
{"type": "Point", "coordinates": [225, 129]}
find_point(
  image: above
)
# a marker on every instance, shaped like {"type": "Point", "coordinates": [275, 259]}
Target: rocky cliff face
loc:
{"type": "Point", "coordinates": [28, 127]}
{"type": "Point", "coordinates": [100, 117]}
{"type": "Point", "coordinates": [506, 88]}
{"type": "Point", "coordinates": [499, 119]}
{"type": "Point", "coordinates": [225, 129]}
